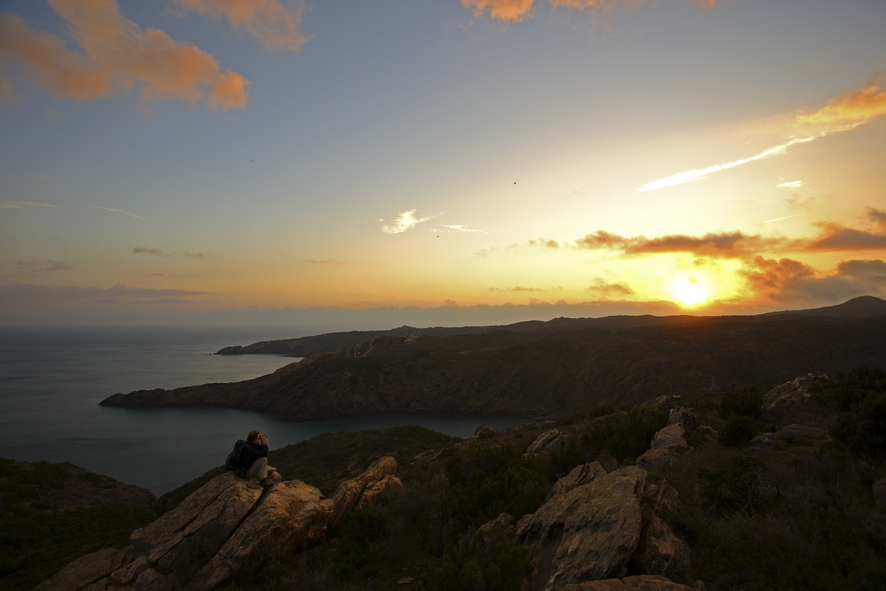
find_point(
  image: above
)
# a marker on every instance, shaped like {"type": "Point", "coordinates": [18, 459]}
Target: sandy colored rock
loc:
{"type": "Point", "coordinates": [685, 417]}
{"type": "Point", "coordinates": [580, 475]}
{"type": "Point", "coordinates": [671, 437]}
{"type": "Point", "coordinates": [661, 550]}
{"type": "Point", "coordinates": [541, 442]}
{"type": "Point", "coordinates": [637, 583]}
{"type": "Point", "coordinates": [85, 571]}
{"type": "Point", "coordinates": [370, 494]}
{"type": "Point", "coordinates": [348, 493]}
{"type": "Point", "coordinates": [653, 457]}
{"type": "Point", "coordinates": [588, 532]}
{"type": "Point", "coordinates": [804, 435]}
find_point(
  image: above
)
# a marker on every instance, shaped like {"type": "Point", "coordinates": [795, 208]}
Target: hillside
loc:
{"type": "Point", "coordinates": [734, 491]}
{"type": "Point", "coordinates": [544, 373]}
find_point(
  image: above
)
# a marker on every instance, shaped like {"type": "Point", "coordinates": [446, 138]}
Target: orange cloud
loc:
{"type": "Point", "coordinates": [852, 107]}
{"type": "Point", "coordinates": [837, 237]}
{"type": "Point", "coordinates": [787, 280]}
{"type": "Point", "coordinates": [114, 56]}
{"type": "Point", "coordinates": [270, 21]}
{"type": "Point", "coordinates": [503, 10]}
{"type": "Point", "coordinates": [603, 289]}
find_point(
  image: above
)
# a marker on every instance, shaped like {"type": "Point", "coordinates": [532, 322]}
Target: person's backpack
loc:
{"type": "Point", "coordinates": [233, 461]}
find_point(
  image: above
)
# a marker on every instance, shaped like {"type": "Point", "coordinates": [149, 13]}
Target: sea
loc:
{"type": "Point", "coordinates": [52, 380]}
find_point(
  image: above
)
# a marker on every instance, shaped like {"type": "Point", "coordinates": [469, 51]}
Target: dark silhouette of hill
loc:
{"type": "Point", "coordinates": [547, 369]}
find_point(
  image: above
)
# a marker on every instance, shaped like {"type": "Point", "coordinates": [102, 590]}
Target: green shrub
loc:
{"type": "Point", "coordinates": [861, 424]}
{"type": "Point", "coordinates": [737, 431]}
{"type": "Point", "coordinates": [746, 402]}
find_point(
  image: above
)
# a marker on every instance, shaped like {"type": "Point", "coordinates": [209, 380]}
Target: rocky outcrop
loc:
{"type": "Point", "coordinates": [637, 583]}
{"type": "Point", "coordinates": [796, 392]}
{"type": "Point", "coordinates": [585, 532]}
{"type": "Point", "coordinates": [226, 525]}
{"type": "Point", "coordinates": [804, 435]}
{"type": "Point", "coordinates": [591, 527]}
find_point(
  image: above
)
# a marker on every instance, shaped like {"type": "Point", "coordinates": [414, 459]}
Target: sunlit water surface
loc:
{"type": "Point", "coordinates": [51, 382]}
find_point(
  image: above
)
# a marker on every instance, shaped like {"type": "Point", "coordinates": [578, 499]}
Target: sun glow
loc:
{"type": "Point", "coordinates": [689, 291]}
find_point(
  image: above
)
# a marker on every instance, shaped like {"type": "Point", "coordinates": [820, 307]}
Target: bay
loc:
{"type": "Point", "coordinates": [52, 380]}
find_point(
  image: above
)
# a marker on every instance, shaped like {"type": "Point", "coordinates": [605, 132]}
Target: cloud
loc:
{"type": "Point", "coordinates": [519, 289]}
{"type": "Point", "coordinates": [791, 185]}
{"type": "Point", "coordinates": [786, 280]}
{"type": "Point", "coordinates": [854, 107]}
{"type": "Point", "coordinates": [837, 237]}
{"type": "Point", "coordinates": [602, 289]}
{"type": "Point", "coordinates": [842, 114]}
{"type": "Point", "coordinates": [699, 173]}
{"type": "Point", "coordinates": [47, 266]}
{"type": "Point", "coordinates": [194, 255]}
{"type": "Point", "coordinates": [503, 10]}
{"type": "Point", "coordinates": [455, 228]}
{"type": "Point", "coordinates": [18, 293]}
{"type": "Point", "coordinates": [22, 204]}
{"type": "Point", "coordinates": [114, 55]}
{"type": "Point", "coordinates": [328, 262]}
{"type": "Point", "coordinates": [544, 243]}
{"type": "Point", "coordinates": [273, 22]}
{"type": "Point", "coordinates": [138, 217]}
{"type": "Point", "coordinates": [405, 220]}
{"type": "Point", "coordinates": [151, 251]}
{"type": "Point", "coordinates": [516, 10]}
{"type": "Point", "coordinates": [877, 216]}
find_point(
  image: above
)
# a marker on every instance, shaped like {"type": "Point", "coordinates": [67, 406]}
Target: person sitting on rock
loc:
{"type": "Point", "coordinates": [254, 457]}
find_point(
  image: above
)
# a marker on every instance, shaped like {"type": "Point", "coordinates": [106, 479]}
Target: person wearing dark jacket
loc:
{"type": "Point", "coordinates": [254, 457]}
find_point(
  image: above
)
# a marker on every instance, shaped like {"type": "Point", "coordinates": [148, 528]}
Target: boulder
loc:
{"type": "Point", "coordinates": [585, 532]}
{"type": "Point", "coordinates": [373, 489]}
{"type": "Point", "coordinates": [580, 475]}
{"type": "Point", "coordinates": [685, 417]}
{"type": "Point", "coordinates": [804, 435]}
{"type": "Point", "coordinates": [225, 526]}
{"type": "Point", "coordinates": [85, 571]}
{"type": "Point", "coordinates": [671, 437]}
{"type": "Point", "coordinates": [290, 517]}
{"type": "Point", "coordinates": [500, 523]}
{"type": "Point", "coordinates": [797, 391]}
{"type": "Point", "coordinates": [637, 583]}
{"type": "Point", "coordinates": [764, 441]}
{"type": "Point", "coordinates": [541, 442]}
{"type": "Point", "coordinates": [662, 551]}
{"type": "Point", "coordinates": [654, 457]}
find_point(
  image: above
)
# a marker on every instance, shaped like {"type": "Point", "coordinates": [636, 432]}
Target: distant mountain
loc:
{"type": "Point", "coordinates": [553, 369]}
{"type": "Point", "coordinates": [861, 307]}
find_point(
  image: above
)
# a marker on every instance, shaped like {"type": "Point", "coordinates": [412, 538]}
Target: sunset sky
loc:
{"type": "Point", "coordinates": [174, 160]}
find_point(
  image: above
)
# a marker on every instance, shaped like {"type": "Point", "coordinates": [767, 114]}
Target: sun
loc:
{"type": "Point", "coordinates": [689, 291]}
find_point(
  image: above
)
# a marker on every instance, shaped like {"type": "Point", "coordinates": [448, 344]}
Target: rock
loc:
{"type": "Point", "coordinates": [373, 489]}
{"type": "Point", "coordinates": [580, 475]}
{"type": "Point", "coordinates": [406, 581]}
{"type": "Point", "coordinates": [501, 523]}
{"type": "Point", "coordinates": [671, 437]}
{"type": "Point", "coordinates": [483, 431]}
{"type": "Point", "coordinates": [84, 571]}
{"type": "Point", "coordinates": [200, 524]}
{"type": "Point", "coordinates": [290, 517]}
{"type": "Point", "coordinates": [764, 441]}
{"type": "Point", "coordinates": [586, 532]}
{"type": "Point", "coordinates": [348, 493]}
{"type": "Point", "coordinates": [804, 435]}
{"type": "Point", "coordinates": [653, 457]}
{"type": "Point", "coordinates": [225, 526]}
{"type": "Point", "coordinates": [661, 550]}
{"type": "Point", "coordinates": [797, 391]}
{"type": "Point", "coordinates": [541, 442]}
{"type": "Point", "coordinates": [685, 417]}
{"type": "Point", "coordinates": [638, 583]}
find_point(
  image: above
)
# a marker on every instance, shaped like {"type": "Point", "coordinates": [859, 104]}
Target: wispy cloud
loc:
{"type": "Point", "coordinates": [405, 220]}
{"type": "Point", "coordinates": [843, 113]}
{"type": "Point", "coordinates": [151, 251]}
{"type": "Point", "coordinates": [138, 217]}
{"type": "Point", "coordinates": [115, 55]}
{"type": "Point", "coordinates": [791, 185]}
{"type": "Point", "coordinates": [700, 173]}
{"type": "Point", "coordinates": [124, 293]}
{"type": "Point", "coordinates": [273, 22]}
{"type": "Point", "coordinates": [519, 289]}
{"type": "Point", "coordinates": [39, 267]}
{"type": "Point", "coordinates": [194, 255]}
{"type": "Point", "coordinates": [23, 204]}
{"type": "Point", "coordinates": [603, 289]}
{"type": "Point", "coordinates": [460, 228]}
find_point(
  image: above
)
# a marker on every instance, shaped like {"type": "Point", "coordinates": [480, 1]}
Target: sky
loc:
{"type": "Point", "coordinates": [438, 162]}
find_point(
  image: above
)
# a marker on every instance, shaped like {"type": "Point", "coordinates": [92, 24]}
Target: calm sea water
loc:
{"type": "Point", "coordinates": [51, 382]}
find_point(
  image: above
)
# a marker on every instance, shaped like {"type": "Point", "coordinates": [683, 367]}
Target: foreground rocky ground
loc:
{"type": "Point", "coordinates": [734, 491]}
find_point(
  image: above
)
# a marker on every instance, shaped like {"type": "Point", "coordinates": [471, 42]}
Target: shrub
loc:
{"type": "Point", "coordinates": [737, 431]}
{"type": "Point", "coordinates": [746, 402]}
